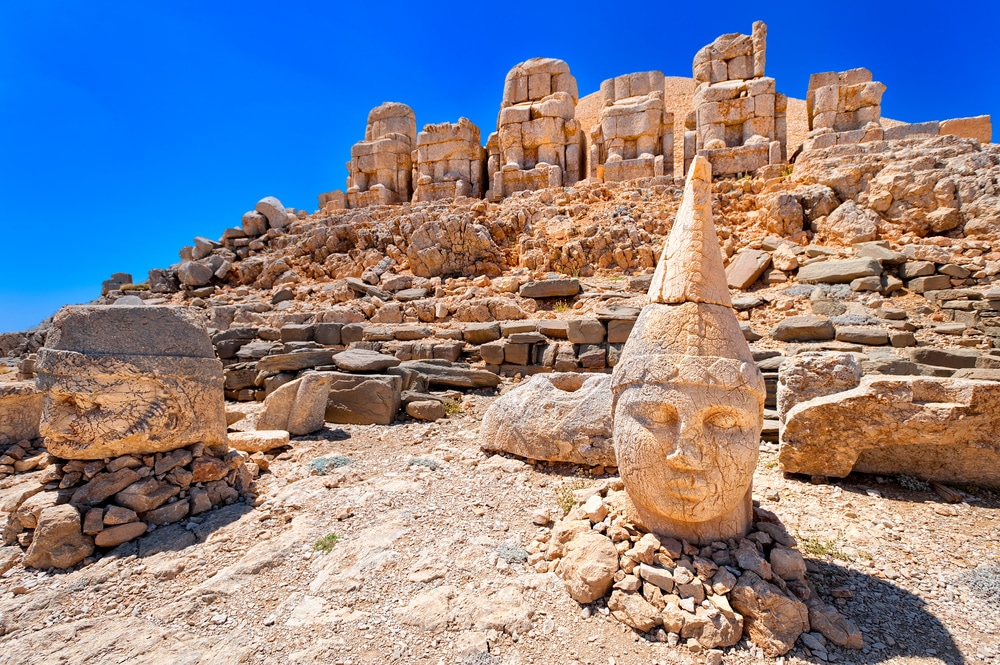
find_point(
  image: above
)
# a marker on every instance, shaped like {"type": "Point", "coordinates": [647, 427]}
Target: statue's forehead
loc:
{"type": "Point", "coordinates": [697, 394]}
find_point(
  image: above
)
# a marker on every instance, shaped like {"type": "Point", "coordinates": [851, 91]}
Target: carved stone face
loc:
{"type": "Point", "coordinates": [692, 448]}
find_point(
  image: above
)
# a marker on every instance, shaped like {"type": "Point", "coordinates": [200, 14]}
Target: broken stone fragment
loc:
{"type": "Point", "coordinates": [559, 417]}
{"type": "Point", "coordinates": [58, 540]}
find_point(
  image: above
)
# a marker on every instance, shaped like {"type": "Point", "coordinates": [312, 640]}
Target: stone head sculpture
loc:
{"type": "Point", "coordinates": [688, 399]}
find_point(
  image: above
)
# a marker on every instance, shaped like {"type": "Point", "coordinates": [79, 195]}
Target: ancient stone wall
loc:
{"type": "Point", "coordinates": [449, 162]}
{"type": "Point", "coordinates": [538, 142]}
{"type": "Point", "coordinates": [634, 137]}
{"type": "Point", "coordinates": [380, 169]}
{"type": "Point", "coordinates": [738, 121]}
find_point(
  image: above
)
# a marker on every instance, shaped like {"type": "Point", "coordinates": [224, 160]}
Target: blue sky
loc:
{"type": "Point", "coordinates": [128, 128]}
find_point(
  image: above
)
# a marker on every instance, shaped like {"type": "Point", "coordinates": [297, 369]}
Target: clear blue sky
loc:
{"type": "Point", "coordinates": [128, 128]}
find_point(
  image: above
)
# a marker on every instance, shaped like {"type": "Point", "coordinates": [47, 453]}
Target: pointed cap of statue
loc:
{"type": "Point", "coordinates": [690, 268]}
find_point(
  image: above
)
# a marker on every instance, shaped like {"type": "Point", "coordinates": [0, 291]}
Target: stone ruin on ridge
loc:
{"type": "Point", "coordinates": [738, 121]}
{"type": "Point", "coordinates": [380, 170]}
{"type": "Point", "coordinates": [449, 162]}
{"type": "Point", "coordinates": [843, 107]}
{"type": "Point", "coordinates": [634, 136]}
{"type": "Point", "coordinates": [538, 142]}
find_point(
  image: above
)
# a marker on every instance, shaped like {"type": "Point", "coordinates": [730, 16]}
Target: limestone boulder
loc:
{"type": "Point", "coordinates": [126, 380]}
{"type": "Point", "coordinates": [772, 619]}
{"type": "Point", "coordinates": [929, 427]}
{"type": "Point", "coordinates": [20, 411]}
{"type": "Point", "coordinates": [363, 399]}
{"type": "Point", "coordinates": [299, 406]}
{"type": "Point", "coordinates": [558, 417]}
{"type": "Point", "coordinates": [849, 223]}
{"type": "Point", "coordinates": [274, 211]}
{"type": "Point", "coordinates": [634, 611]}
{"type": "Point", "coordinates": [58, 540]}
{"type": "Point", "coordinates": [808, 375]}
{"type": "Point", "coordinates": [803, 328]}
{"type": "Point", "coordinates": [589, 566]}
{"type": "Point", "coordinates": [839, 271]}
{"type": "Point", "coordinates": [259, 440]}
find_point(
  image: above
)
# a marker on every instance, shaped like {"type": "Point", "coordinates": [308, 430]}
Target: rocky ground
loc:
{"type": "Point", "coordinates": [405, 543]}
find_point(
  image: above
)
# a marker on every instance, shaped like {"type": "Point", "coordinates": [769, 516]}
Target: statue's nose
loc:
{"type": "Point", "coordinates": [688, 452]}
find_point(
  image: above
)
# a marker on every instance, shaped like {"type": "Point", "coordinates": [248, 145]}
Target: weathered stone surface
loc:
{"type": "Point", "coordinates": [363, 360]}
{"type": "Point", "coordinates": [122, 380]}
{"type": "Point", "coordinates": [588, 566]}
{"type": "Point", "coordinates": [298, 407]}
{"type": "Point", "coordinates": [633, 611]}
{"type": "Point", "coordinates": [293, 362]}
{"type": "Point", "coordinates": [450, 162]}
{"type": "Point", "coordinates": [103, 485]}
{"type": "Point", "coordinates": [452, 375]}
{"type": "Point", "coordinates": [481, 333]}
{"type": "Point", "coordinates": [122, 533]}
{"type": "Point", "coordinates": [849, 224]}
{"type": "Point", "coordinates": [559, 417]}
{"type": "Point", "coordinates": [932, 428]}
{"type": "Point", "coordinates": [746, 267]}
{"type": "Point", "coordinates": [560, 287]}
{"type": "Point", "coordinates": [633, 136]}
{"type": "Point", "coordinates": [772, 619]}
{"type": "Point", "coordinates": [363, 399]}
{"type": "Point", "coordinates": [538, 142]}
{"type": "Point", "coordinates": [834, 271]}
{"type": "Point", "coordinates": [20, 411]}
{"type": "Point", "coordinates": [274, 211]}
{"type": "Point", "coordinates": [425, 409]}
{"type": "Point", "coordinates": [58, 541]}
{"type": "Point", "coordinates": [146, 494]}
{"type": "Point", "coordinates": [814, 374]}
{"type": "Point", "coordinates": [688, 408]}
{"type": "Point", "coordinates": [381, 168]}
{"type": "Point", "coordinates": [833, 626]}
{"type": "Point", "coordinates": [261, 440]}
{"type": "Point", "coordinates": [803, 328]}
{"type": "Point", "coordinates": [194, 273]}
{"type": "Point", "coordinates": [954, 358]}
{"type": "Point", "coordinates": [585, 331]}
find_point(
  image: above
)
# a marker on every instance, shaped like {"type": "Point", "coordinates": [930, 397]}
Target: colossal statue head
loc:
{"type": "Point", "coordinates": [688, 399]}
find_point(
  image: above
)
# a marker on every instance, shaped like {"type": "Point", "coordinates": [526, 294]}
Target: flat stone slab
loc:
{"type": "Point", "coordinates": [550, 288]}
{"type": "Point", "coordinates": [932, 428]}
{"type": "Point", "coordinates": [805, 327]}
{"type": "Point", "coordinates": [363, 360]}
{"type": "Point", "coordinates": [834, 271]}
{"type": "Point", "coordinates": [746, 268]}
{"type": "Point", "coordinates": [452, 375]}
{"type": "Point", "coordinates": [258, 440]}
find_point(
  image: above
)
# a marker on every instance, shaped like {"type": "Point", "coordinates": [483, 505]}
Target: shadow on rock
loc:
{"type": "Point", "coordinates": [895, 623]}
{"type": "Point", "coordinates": [176, 537]}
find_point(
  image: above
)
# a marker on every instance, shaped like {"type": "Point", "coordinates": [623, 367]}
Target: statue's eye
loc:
{"type": "Point", "coordinates": [722, 420]}
{"type": "Point", "coordinates": [652, 414]}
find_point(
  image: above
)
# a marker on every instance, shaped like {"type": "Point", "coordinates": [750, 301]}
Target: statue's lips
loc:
{"type": "Point", "coordinates": [693, 486]}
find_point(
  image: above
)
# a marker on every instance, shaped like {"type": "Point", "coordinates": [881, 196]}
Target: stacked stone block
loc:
{"type": "Point", "coordinates": [380, 170]}
{"type": "Point", "coordinates": [739, 121]}
{"type": "Point", "coordinates": [449, 162]}
{"type": "Point", "coordinates": [634, 137]}
{"type": "Point", "coordinates": [538, 142]}
{"type": "Point", "coordinates": [843, 108]}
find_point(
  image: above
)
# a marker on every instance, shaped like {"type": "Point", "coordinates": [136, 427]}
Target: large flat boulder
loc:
{"type": "Point", "coordinates": [809, 375]}
{"type": "Point", "coordinates": [20, 411]}
{"type": "Point", "coordinates": [930, 427]}
{"type": "Point", "coordinates": [363, 399]}
{"type": "Point", "coordinates": [843, 271]}
{"type": "Point", "coordinates": [452, 375]}
{"type": "Point", "coordinates": [121, 380]}
{"type": "Point", "coordinates": [561, 417]}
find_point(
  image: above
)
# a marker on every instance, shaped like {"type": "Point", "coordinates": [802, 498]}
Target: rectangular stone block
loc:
{"type": "Point", "coordinates": [363, 399]}
{"type": "Point", "coordinates": [912, 130]}
{"type": "Point", "coordinates": [929, 283]}
{"type": "Point", "coordinates": [619, 329]}
{"type": "Point", "coordinates": [979, 128]}
{"type": "Point", "coordinates": [516, 354]}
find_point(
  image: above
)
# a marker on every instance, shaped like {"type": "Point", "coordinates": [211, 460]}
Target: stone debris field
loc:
{"type": "Point", "coordinates": [679, 371]}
